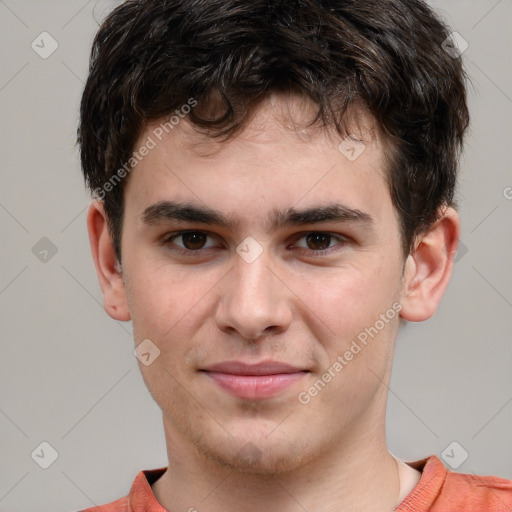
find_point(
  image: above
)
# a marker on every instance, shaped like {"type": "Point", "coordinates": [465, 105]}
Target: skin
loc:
{"type": "Point", "coordinates": [288, 305]}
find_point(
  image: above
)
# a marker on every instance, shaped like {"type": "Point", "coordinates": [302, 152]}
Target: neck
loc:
{"type": "Point", "coordinates": [358, 475]}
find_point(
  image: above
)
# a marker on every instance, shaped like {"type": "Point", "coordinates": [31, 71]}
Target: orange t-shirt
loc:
{"type": "Point", "coordinates": [438, 490]}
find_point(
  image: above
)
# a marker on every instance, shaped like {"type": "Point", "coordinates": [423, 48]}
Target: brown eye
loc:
{"type": "Point", "coordinates": [189, 241]}
{"type": "Point", "coordinates": [194, 240]}
{"type": "Point", "coordinates": [318, 241]}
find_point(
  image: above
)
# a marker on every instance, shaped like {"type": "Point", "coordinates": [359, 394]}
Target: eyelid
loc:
{"type": "Point", "coordinates": [168, 237]}
{"type": "Point", "coordinates": [167, 242]}
{"type": "Point", "coordinates": [342, 240]}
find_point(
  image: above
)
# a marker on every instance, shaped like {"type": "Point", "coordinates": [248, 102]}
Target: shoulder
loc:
{"type": "Point", "coordinates": [441, 490]}
{"type": "Point", "coordinates": [120, 505]}
{"type": "Point", "coordinates": [478, 493]}
{"type": "Point", "coordinates": [140, 497]}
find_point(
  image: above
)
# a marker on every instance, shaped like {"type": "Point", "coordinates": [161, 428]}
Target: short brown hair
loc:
{"type": "Point", "coordinates": [150, 57]}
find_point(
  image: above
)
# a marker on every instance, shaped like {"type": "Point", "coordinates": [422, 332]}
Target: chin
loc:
{"type": "Point", "coordinates": [258, 456]}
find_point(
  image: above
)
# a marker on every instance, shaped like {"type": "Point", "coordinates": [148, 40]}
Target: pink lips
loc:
{"type": "Point", "coordinates": [257, 381]}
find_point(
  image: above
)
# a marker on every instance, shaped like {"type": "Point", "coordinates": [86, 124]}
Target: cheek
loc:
{"type": "Point", "coordinates": [344, 301]}
{"type": "Point", "coordinates": [356, 343]}
{"type": "Point", "coordinates": [163, 297]}
{"type": "Point", "coordinates": [170, 306]}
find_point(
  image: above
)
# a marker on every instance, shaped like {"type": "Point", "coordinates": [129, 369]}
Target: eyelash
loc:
{"type": "Point", "coordinates": [342, 241]}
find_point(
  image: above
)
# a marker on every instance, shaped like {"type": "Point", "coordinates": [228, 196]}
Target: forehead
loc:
{"type": "Point", "coordinates": [278, 157]}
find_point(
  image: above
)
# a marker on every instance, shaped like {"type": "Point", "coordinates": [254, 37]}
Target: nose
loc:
{"type": "Point", "coordinates": [254, 300]}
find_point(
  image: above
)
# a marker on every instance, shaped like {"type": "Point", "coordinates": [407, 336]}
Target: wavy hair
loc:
{"type": "Point", "coordinates": [150, 57]}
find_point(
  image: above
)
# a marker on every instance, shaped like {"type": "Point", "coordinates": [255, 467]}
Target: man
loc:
{"type": "Point", "coordinates": [274, 190]}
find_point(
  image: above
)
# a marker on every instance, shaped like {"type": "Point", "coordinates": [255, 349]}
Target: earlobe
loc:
{"type": "Point", "coordinates": [107, 266]}
{"type": "Point", "coordinates": [429, 267]}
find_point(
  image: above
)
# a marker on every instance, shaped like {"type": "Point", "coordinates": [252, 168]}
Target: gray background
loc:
{"type": "Point", "coordinates": [68, 374]}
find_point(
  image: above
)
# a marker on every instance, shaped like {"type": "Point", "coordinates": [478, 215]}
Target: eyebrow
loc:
{"type": "Point", "coordinates": [166, 211]}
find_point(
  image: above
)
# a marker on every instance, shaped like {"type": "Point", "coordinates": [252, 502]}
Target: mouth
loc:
{"type": "Point", "coordinates": [254, 381]}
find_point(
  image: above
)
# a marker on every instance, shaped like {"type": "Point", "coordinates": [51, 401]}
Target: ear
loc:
{"type": "Point", "coordinates": [429, 267]}
{"type": "Point", "coordinates": [108, 268]}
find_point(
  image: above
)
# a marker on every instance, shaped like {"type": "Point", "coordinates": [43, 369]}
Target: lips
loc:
{"type": "Point", "coordinates": [263, 368]}
{"type": "Point", "coordinates": [254, 381]}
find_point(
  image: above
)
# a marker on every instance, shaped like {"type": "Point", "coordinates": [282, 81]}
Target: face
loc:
{"type": "Point", "coordinates": [273, 248]}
